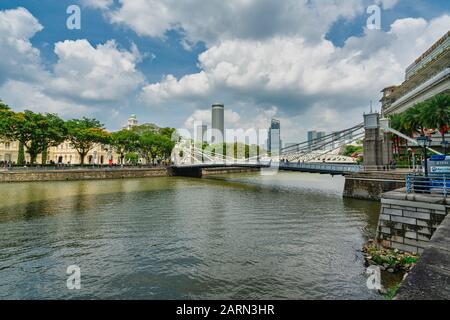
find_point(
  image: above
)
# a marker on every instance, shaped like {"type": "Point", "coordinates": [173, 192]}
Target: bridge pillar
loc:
{"type": "Point", "coordinates": [377, 149]}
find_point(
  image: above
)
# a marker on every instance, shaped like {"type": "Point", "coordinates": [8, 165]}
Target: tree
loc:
{"type": "Point", "coordinates": [437, 114]}
{"type": "Point", "coordinates": [84, 133]}
{"type": "Point", "coordinates": [123, 142]}
{"type": "Point", "coordinates": [50, 132]}
{"type": "Point", "coordinates": [5, 121]}
{"type": "Point", "coordinates": [413, 118]}
{"type": "Point", "coordinates": [22, 127]}
{"type": "Point", "coordinates": [148, 146]}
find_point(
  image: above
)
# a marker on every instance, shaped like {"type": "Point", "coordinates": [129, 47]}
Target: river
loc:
{"type": "Point", "coordinates": [246, 236]}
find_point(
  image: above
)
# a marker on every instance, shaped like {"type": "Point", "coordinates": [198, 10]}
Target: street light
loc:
{"type": "Point", "coordinates": [424, 142]}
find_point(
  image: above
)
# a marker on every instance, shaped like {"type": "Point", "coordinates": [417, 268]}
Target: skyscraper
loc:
{"type": "Point", "coordinates": [218, 125]}
{"type": "Point", "coordinates": [201, 133]}
{"type": "Point", "coordinates": [274, 138]}
{"type": "Point", "coordinates": [314, 137]}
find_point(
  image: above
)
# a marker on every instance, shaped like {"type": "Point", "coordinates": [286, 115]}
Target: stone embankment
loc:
{"type": "Point", "coordinates": [371, 185]}
{"type": "Point", "coordinates": [79, 174]}
{"type": "Point", "coordinates": [408, 221]}
{"type": "Point", "coordinates": [34, 175]}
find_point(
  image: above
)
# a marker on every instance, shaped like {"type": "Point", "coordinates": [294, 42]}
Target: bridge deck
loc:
{"type": "Point", "coordinates": [325, 168]}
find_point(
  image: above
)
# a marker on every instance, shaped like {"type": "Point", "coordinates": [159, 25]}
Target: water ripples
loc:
{"type": "Point", "coordinates": [248, 237]}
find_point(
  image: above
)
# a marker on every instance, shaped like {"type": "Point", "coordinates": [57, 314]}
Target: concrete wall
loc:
{"type": "Point", "coordinates": [408, 221]}
{"type": "Point", "coordinates": [218, 171]}
{"type": "Point", "coordinates": [67, 175]}
{"type": "Point", "coordinates": [371, 185]}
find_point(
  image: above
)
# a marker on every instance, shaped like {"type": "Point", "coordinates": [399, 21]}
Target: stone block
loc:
{"type": "Point", "coordinates": [417, 215]}
{"type": "Point", "coordinates": [385, 217]}
{"type": "Point", "coordinates": [385, 230]}
{"type": "Point", "coordinates": [423, 210]}
{"type": "Point", "coordinates": [398, 239]}
{"type": "Point", "coordinates": [427, 231]}
{"type": "Point", "coordinates": [416, 243]}
{"type": "Point", "coordinates": [422, 223]}
{"type": "Point", "coordinates": [404, 220]}
{"type": "Point", "coordinates": [429, 203]}
{"type": "Point", "coordinates": [423, 237]}
{"type": "Point", "coordinates": [410, 235]}
{"type": "Point", "coordinates": [440, 212]}
{"type": "Point", "coordinates": [404, 247]}
{"type": "Point", "coordinates": [393, 212]}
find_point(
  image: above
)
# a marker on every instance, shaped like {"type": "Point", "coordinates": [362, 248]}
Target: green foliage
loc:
{"type": "Point", "coordinates": [124, 141]}
{"type": "Point", "coordinates": [395, 259]}
{"type": "Point", "coordinates": [437, 114]}
{"type": "Point", "coordinates": [413, 118]}
{"type": "Point", "coordinates": [37, 132]}
{"type": "Point", "coordinates": [84, 133]}
{"type": "Point", "coordinates": [153, 145]}
{"type": "Point", "coordinates": [350, 150]}
{"type": "Point", "coordinates": [392, 292]}
{"type": "Point", "coordinates": [430, 115]}
{"type": "Point", "coordinates": [132, 158]}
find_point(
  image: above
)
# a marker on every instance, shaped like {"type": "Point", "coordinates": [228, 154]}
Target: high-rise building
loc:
{"type": "Point", "coordinates": [274, 138]}
{"type": "Point", "coordinates": [314, 137]}
{"type": "Point", "coordinates": [218, 123]}
{"type": "Point", "coordinates": [201, 133]}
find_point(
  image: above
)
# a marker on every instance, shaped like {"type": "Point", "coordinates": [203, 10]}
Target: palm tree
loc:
{"type": "Point", "coordinates": [396, 123]}
{"type": "Point", "coordinates": [437, 115]}
{"type": "Point", "coordinates": [413, 118]}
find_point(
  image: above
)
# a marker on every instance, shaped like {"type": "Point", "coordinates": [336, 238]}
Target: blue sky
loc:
{"type": "Point", "coordinates": [313, 64]}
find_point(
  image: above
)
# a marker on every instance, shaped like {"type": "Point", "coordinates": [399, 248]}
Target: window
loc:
{"type": "Point", "coordinates": [7, 145]}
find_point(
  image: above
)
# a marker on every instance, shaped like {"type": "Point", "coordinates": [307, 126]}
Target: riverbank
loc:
{"type": "Point", "coordinates": [74, 174]}
{"type": "Point", "coordinates": [372, 185]}
{"type": "Point", "coordinates": [31, 175]}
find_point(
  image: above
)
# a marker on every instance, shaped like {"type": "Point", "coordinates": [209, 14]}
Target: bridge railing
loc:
{"type": "Point", "coordinates": [432, 185]}
{"type": "Point", "coordinates": [324, 167]}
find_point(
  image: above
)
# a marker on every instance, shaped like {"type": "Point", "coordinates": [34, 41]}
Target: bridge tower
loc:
{"type": "Point", "coordinates": [377, 145]}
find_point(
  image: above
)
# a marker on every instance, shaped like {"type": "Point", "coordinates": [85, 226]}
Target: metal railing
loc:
{"type": "Point", "coordinates": [436, 184]}
{"type": "Point", "coordinates": [324, 167]}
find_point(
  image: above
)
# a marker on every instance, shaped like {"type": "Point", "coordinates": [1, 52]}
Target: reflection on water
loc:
{"type": "Point", "coordinates": [239, 236]}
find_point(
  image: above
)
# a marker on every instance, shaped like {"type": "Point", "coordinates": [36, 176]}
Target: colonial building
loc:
{"type": "Point", "coordinates": [426, 77]}
{"type": "Point", "coordinates": [65, 153]}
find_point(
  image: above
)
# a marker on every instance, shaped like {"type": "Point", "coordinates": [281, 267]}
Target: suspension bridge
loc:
{"type": "Point", "coordinates": [322, 155]}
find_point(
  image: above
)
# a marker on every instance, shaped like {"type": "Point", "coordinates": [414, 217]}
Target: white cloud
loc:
{"type": "Point", "coordinates": [103, 73]}
{"type": "Point", "coordinates": [84, 80]}
{"type": "Point", "coordinates": [216, 20]}
{"type": "Point", "coordinates": [301, 78]}
{"type": "Point", "coordinates": [18, 58]}
{"type": "Point", "coordinates": [37, 100]}
{"type": "Point", "coordinates": [97, 4]}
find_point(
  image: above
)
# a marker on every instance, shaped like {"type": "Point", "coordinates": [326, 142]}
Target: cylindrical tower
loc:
{"type": "Point", "coordinates": [218, 125]}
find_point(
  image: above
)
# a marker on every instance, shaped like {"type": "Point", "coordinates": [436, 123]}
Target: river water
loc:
{"type": "Point", "coordinates": [288, 236]}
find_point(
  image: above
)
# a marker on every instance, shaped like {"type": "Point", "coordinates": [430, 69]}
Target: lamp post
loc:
{"type": "Point", "coordinates": [424, 142]}
{"type": "Point", "coordinates": [445, 146]}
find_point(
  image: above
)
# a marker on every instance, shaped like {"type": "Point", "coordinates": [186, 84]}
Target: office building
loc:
{"type": "Point", "coordinates": [200, 134]}
{"type": "Point", "coordinates": [218, 123]}
{"type": "Point", "coordinates": [274, 138]}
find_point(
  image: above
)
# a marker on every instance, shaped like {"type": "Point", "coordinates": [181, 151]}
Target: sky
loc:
{"type": "Point", "coordinates": [314, 65]}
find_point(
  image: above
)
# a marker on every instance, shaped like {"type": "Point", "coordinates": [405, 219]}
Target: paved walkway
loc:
{"type": "Point", "coordinates": [430, 279]}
